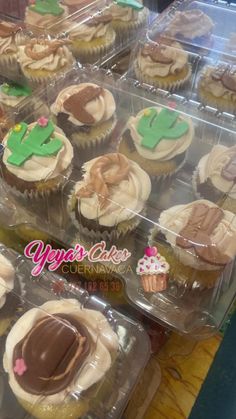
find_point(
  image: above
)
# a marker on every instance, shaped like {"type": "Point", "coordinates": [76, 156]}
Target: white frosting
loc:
{"type": "Point", "coordinates": [102, 108]}
{"type": "Point", "coordinates": [190, 24]}
{"type": "Point", "coordinates": [152, 68]}
{"type": "Point", "coordinates": [126, 200]}
{"type": "Point", "coordinates": [216, 87]}
{"type": "Point", "coordinates": [96, 364]}
{"type": "Point", "coordinates": [7, 275]}
{"type": "Point", "coordinates": [38, 20]}
{"type": "Point", "coordinates": [10, 100]}
{"type": "Point", "coordinates": [87, 33]}
{"type": "Point", "coordinates": [173, 220]}
{"type": "Point", "coordinates": [125, 14]}
{"type": "Point", "coordinates": [55, 61]}
{"type": "Point", "coordinates": [38, 167]}
{"type": "Point", "coordinates": [210, 167]}
{"type": "Point", "coordinates": [10, 44]}
{"type": "Point", "coordinates": [152, 265]}
{"type": "Point", "coordinates": [165, 149]}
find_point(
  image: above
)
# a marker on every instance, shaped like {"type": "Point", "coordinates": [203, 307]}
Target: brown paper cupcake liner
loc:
{"type": "Point", "coordinates": [39, 80]}
{"type": "Point", "coordinates": [9, 64]}
{"type": "Point", "coordinates": [92, 54]}
{"type": "Point", "coordinates": [127, 30]}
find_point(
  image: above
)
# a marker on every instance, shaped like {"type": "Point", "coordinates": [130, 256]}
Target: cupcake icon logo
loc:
{"type": "Point", "coordinates": [153, 270]}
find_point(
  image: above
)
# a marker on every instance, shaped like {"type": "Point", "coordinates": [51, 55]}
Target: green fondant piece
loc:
{"type": "Point", "coordinates": [16, 90]}
{"type": "Point", "coordinates": [44, 7]}
{"type": "Point", "coordinates": [155, 127]}
{"type": "Point", "coordinates": [37, 143]}
{"type": "Point", "coordinates": [129, 3]}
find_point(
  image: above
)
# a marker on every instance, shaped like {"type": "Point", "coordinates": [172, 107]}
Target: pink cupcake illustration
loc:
{"type": "Point", "coordinates": [154, 270]}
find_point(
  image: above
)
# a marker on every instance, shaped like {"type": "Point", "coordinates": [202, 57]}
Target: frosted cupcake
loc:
{"type": "Point", "coordinates": [215, 176]}
{"type": "Point", "coordinates": [10, 38]}
{"type": "Point", "coordinates": [75, 5]}
{"type": "Point", "coordinates": [37, 158]}
{"type": "Point", "coordinates": [44, 14]}
{"type": "Point", "coordinates": [7, 301]}
{"type": "Point", "coordinates": [217, 87]}
{"type": "Point", "coordinates": [164, 65]}
{"type": "Point", "coordinates": [157, 139]}
{"type": "Point", "coordinates": [57, 351]}
{"type": "Point", "coordinates": [109, 201]}
{"type": "Point", "coordinates": [41, 59]}
{"type": "Point", "coordinates": [12, 95]}
{"type": "Point", "coordinates": [92, 39]}
{"type": "Point", "coordinates": [87, 114]}
{"type": "Point", "coordinates": [153, 270]}
{"type": "Point", "coordinates": [198, 241]}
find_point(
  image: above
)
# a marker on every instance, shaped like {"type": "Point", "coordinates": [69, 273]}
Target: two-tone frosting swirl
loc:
{"type": "Point", "coordinates": [220, 82]}
{"type": "Point", "coordinates": [124, 14]}
{"type": "Point", "coordinates": [7, 275]}
{"type": "Point", "coordinates": [10, 37]}
{"type": "Point", "coordinates": [190, 24]}
{"type": "Point", "coordinates": [96, 27]}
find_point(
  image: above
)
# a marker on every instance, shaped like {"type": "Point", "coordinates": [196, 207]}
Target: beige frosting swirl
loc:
{"type": "Point", "coordinates": [165, 149]}
{"type": "Point", "coordinates": [101, 108]}
{"type": "Point", "coordinates": [9, 45]}
{"type": "Point", "coordinates": [216, 87]}
{"type": "Point", "coordinates": [88, 32]}
{"type": "Point", "coordinates": [126, 199]}
{"type": "Point", "coordinates": [7, 275]}
{"type": "Point", "coordinates": [125, 14]}
{"type": "Point", "coordinates": [211, 165]}
{"type": "Point", "coordinates": [38, 20]}
{"type": "Point", "coordinates": [41, 168]}
{"type": "Point", "coordinates": [56, 60]}
{"type": "Point", "coordinates": [97, 363]}
{"type": "Point", "coordinates": [177, 56]}
{"type": "Point", "coordinates": [190, 24]}
{"type": "Point", "coordinates": [173, 220]}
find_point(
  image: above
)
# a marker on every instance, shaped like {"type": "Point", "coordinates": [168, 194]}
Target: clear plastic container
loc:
{"type": "Point", "coordinates": [116, 353]}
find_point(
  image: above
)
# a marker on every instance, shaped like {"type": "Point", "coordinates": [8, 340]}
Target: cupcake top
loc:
{"type": "Point", "coordinates": [42, 14]}
{"type": "Point", "coordinates": [220, 81]}
{"type": "Point", "coordinates": [39, 151]}
{"type": "Point", "coordinates": [10, 37]}
{"type": "Point", "coordinates": [160, 133]}
{"type": "Point", "coordinates": [7, 275]}
{"type": "Point", "coordinates": [44, 54]}
{"type": "Point", "coordinates": [57, 349]}
{"type": "Point", "coordinates": [219, 166]}
{"type": "Point", "coordinates": [95, 27]}
{"type": "Point", "coordinates": [162, 59]}
{"type": "Point", "coordinates": [85, 104]}
{"type": "Point", "coordinates": [113, 189]}
{"type": "Point", "coordinates": [202, 233]}
{"type": "Point", "coordinates": [152, 263]}
{"type": "Point", "coordinates": [190, 24]}
{"type": "Point", "coordinates": [11, 94]}
{"type": "Point", "coordinates": [126, 10]}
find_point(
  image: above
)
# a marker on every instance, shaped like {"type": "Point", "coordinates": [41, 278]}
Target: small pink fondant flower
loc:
{"type": "Point", "coordinates": [43, 122]}
{"type": "Point", "coordinates": [31, 1]}
{"type": "Point", "coordinates": [172, 105]}
{"type": "Point", "coordinates": [20, 367]}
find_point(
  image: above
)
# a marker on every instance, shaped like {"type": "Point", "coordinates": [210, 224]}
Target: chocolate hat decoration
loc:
{"type": "Point", "coordinates": [227, 76]}
{"type": "Point", "coordinates": [51, 46]}
{"type": "Point", "coordinates": [155, 52]}
{"type": "Point", "coordinates": [76, 103]}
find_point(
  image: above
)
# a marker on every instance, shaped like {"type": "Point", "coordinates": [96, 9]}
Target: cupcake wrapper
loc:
{"type": "Point", "coordinates": [10, 64]}
{"type": "Point", "coordinates": [128, 30]}
{"type": "Point", "coordinates": [153, 283]}
{"type": "Point", "coordinates": [161, 84]}
{"type": "Point", "coordinates": [39, 81]}
{"type": "Point", "coordinates": [163, 178]}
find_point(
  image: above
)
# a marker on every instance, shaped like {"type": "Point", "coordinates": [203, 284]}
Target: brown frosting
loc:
{"type": "Point", "coordinates": [100, 180]}
{"type": "Point", "coordinates": [96, 20]}
{"type": "Point", "coordinates": [227, 76]}
{"type": "Point", "coordinates": [155, 52]}
{"type": "Point", "coordinates": [52, 47]}
{"type": "Point", "coordinates": [229, 171]}
{"type": "Point", "coordinates": [76, 103]}
{"type": "Point", "coordinates": [53, 351]}
{"type": "Point", "coordinates": [196, 234]}
{"type": "Point", "coordinates": [8, 29]}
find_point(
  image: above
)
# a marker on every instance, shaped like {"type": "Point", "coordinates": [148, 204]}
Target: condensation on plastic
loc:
{"type": "Point", "coordinates": [110, 399]}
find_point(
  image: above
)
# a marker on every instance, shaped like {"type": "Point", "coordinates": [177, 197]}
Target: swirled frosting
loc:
{"type": "Point", "coordinates": [10, 37]}
{"type": "Point", "coordinates": [190, 24]}
{"type": "Point", "coordinates": [162, 60]}
{"type": "Point", "coordinates": [38, 20]}
{"type": "Point", "coordinates": [74, 101]}
{"type": "Point", "coordinates": [114, 189]}
{"type": "Point", "coordinates": [220, 82]}
{"type": "Point", "coordinates": [151, 265]}
{"type": "Point", "coordinates": [73, 351]}
{"type": "Point", "coordinates": [221, 236]}
{"type": "Point", "coordinates": [125, 14]}
{"type": "Point", "coordinates": [219, 166]}
{"type": "Point", "coordinates": [165, 149]}
{"type": "Point", "coordinates": [51, 59]}
{"type": "Point", "coordinates": [37, 167]}
{"type": "Point", "coordinates": [96, 27]}
{"type": "Point", "coordinates": [7, 275]}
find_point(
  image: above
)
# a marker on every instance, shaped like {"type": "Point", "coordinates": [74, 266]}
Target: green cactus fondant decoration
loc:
{"type": "Point", "coordinates": [37, 143]}
{"type": "Point", "coordinates": [44, 7]}
{"type": "Point", "coordinates": [13, 89]}
{"type": "Point", "coordinates": [154, 127]}
{"type": "Point", "coordinates": [134, 4]}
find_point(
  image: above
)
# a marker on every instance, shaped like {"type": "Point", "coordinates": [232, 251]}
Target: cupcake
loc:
{"type": "Point", "coordinates": [153, 270]}
{"type": "Point", "coordinates": [215, 176]}
{"type": "Point", "coordinates": [37, 158]}
{"type": "Point", "coordinates": [7, 299]}
{"type": "Point", "coordinates": [56, 356]}
{"type": "Point", "coordinates": [6, 122]}
{"type": "Point", "coordinates": [163, 64]}
{"type": "Point", "coordinates": [10, 38]}
{"type": "Point", "coordinates": [192, 26]}
{"type": "Point", "coordinates": [198, 241]}
{"type": "Point", "coordinates": [157, 139]}
{"type": "Point", "coordinates": [42, 59]}
{"type": "Point", "coordinates": [92, 39]}
{"type": "Point", "coordinates": [230, 48]}
{"type": "Point", "coordinates": [127, 17]}
{"type": "Point", "coordinates": [42, 14]}
{"type": "Point", "coordinates": [12, 95]}
{"type": "Point", "coordinates": [87, 114]}
{"type": "Point", "coordinates": [110, 200]}
{"type": "Point", "coordinates": [75, 5]}
{"type": "Point", "coordinates": [217, 87]}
